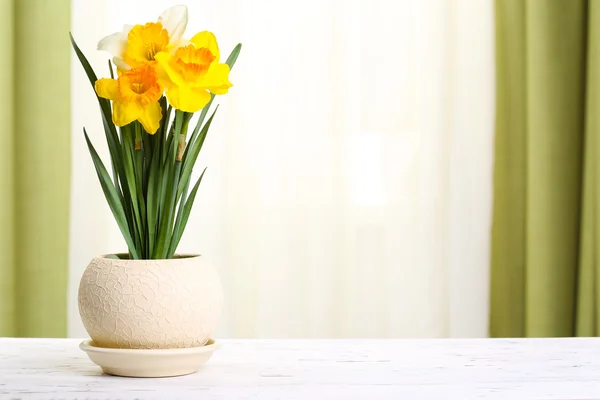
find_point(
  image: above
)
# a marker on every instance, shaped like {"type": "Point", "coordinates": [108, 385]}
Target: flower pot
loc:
{"type": "Point", "coordinates": [150, 304]}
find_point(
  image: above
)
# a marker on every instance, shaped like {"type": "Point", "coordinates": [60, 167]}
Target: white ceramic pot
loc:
{"type": "Point", "coordinates": [150, 304]}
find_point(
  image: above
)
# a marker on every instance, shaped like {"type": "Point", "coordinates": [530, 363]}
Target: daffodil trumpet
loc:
{"type": "Point", "coordinates": [162, 80]}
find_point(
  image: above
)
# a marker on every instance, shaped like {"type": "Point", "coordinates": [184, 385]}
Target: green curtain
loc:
{"type": "Point", "coordinates": [544, 276]}
{"type": "Point", "coordinates": [34, 166]}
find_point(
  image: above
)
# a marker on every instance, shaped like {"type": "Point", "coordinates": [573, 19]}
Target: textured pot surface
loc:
{"type": "Point", "coordinates": [150, 304]}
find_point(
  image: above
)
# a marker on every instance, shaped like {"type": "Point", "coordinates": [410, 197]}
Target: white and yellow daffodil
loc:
{"type": "Point", "coordinates": [137, 45]}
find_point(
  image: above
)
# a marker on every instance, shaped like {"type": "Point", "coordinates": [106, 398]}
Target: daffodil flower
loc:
{"type": "Point", "coordinates": [136, 45]}
{"type": "Point", "coordinates": [135, 96]}
{"type": "Point", "coordinates": [194, 71]}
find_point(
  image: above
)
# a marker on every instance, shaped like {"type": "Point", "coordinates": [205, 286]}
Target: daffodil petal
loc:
{"type": "Point", "coordinates": [125, 112]}
{"type": "Point", "coordinates": [163, 78]}
{"type": "Point", "coordinates": [107, 88]}
{"type": "Point", "coordinates": [217, 79]}
{"type": "Point", "coordinates": [164, 60]}
{"type": "Point", "coordinates": [174, 20]}
{"type": "Point", "coordinates": [115, 44]}
{"type": "Point", "coordinates": [121, 64]}
{"type": "Point", "coordinates": [182, 43]}
{"type": "Point", "coordinates": [207, 40]}
{"type": "Point", "coordinates": [187, 99]}
{"type": "Point", "coordinates": [150, 117]}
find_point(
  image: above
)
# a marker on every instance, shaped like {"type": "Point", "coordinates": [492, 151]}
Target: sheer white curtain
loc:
{"type": "Point", "coordinates": [348, 190]}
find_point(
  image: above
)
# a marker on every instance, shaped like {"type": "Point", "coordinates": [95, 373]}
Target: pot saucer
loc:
{"type": "Point", "coordinates": [149, 363]}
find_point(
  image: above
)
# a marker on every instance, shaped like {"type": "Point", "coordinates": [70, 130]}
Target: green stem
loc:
{"type": "Point", "coordinates": [127, 142]}
{"type": "Point", "coordinates": [138, 157]}
{"type": "Point", "coordinates": [169, 184]}
{"type": "Point", "coordinates": [138, 135]}
{"type": "Point", "coordinates": [187, 116]}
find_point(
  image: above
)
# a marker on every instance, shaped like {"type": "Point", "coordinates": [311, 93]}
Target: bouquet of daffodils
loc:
{"type": "Point", "coordinates": [161, 81]}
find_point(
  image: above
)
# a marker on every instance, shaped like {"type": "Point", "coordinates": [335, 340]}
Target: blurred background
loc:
{"type": "Point", "coordinates": [409, 168]}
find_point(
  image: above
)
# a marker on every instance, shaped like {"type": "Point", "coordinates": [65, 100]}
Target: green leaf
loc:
{"type": "Point", "coordinates": [138, 168]}
{"type": "Point", "coordinates": [233, 56]}
{"type": "Point", "coordinates": [168, 190]}
{"type": "Point", "coordinates": [113, 154]}
{"type": "Point", "coordinates": [110, 69]}
{"type": "Point", "coordinates": [155, 174]}
{"type": "Point", "coordinates": [83, 60]}
{"type": "Point", "coordinates": [164, 127]}
{"type": "Point", "coordinates": [127, 141]}
{"type": "Point", "coordinates": [110, 192]}
{"type": "Point", "coordinates": [152, 203]}
{"type": "Point", "coordinates": [148, 153]}
{"type": "Point", "coordinates": [169, 151]}
{"type": "Point", "coordinates": [182, 217]}
{"type": "Point", "coordinates": [109, 127]}
{"type": "Point", "coordinates": [176, 227]}
{"type": "Point", "coordinates": [166, 219]}
{"type": "Point", "coordinates": [193, 136]}
{"type": "Point", "coordinates": [171, 142]}
{"type": "Point", "coordinates": [112, 138]}
{"type": "Point", "coordinates": [104, 103]}
{"type": "Point", "coordinates": [194, 150]}
{"type": "Point", "coordinates": [172, 146]}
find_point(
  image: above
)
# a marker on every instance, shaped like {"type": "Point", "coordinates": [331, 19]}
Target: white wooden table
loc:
{"type": "Point", "coordinates": [322, 369]}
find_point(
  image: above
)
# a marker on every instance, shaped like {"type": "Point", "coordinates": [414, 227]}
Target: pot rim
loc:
{"type": "Point", "coordinates": [178, 257]}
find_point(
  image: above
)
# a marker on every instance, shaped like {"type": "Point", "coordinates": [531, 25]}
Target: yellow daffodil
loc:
{"type": "Point", "coordinates": [135, 96]}
{"type": "Point", "coordinates": [136, 45]}
{"type": "Point", "coordinates": [193, 71]}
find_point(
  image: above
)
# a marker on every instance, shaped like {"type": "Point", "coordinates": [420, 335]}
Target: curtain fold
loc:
{"type": "Point", "coordinates": [543, 235]}
{"type": "Point", "coordinates": [35, 166]}
{"type": "Point", "coordinates": [588, 300]}
{"type": "Point", "coordinates": [7, 169]}
{"type": "Point", "coordinates": [556, 37]}
{"type": "Point", "coordinates": [508, 230]}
